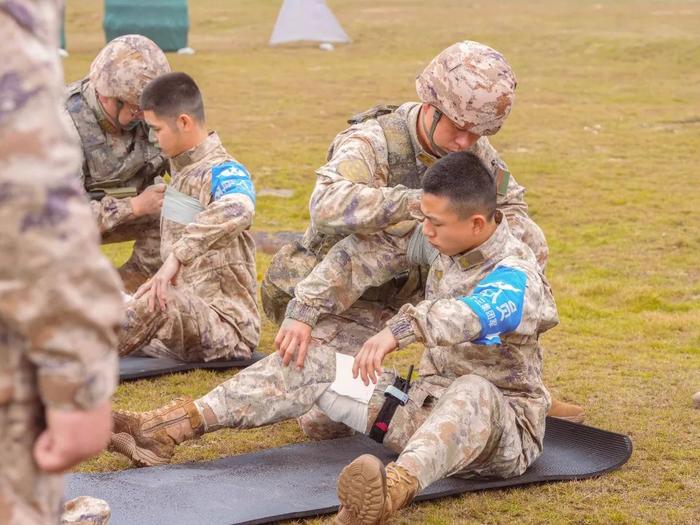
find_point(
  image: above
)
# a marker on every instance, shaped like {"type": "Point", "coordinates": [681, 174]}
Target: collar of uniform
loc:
{"type": "Point", "coordinates": [489, 249]}
{"type": "Point", "coordinates": [412, 111]}
{"type": "Point", "coordinates": [90, 96]}
{"type": "Point", "coordinates": [197, 153]}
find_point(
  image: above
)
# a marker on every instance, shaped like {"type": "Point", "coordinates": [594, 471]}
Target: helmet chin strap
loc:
{"type": "Point", "coordinates": [437, 150]}
{"type": "Point", "coordinates": [133, 123]}
{"type": "Point", "coordinates": [114, 121]}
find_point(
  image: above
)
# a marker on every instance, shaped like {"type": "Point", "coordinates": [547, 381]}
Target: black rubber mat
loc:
{"type": "Point", "coordinates": [139, 367]}
{"type": "Point", "coordinates": [300, 480]}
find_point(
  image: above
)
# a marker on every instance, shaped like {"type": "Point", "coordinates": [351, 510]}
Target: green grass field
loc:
{"type": "Point", "coordinates": [605, 135]}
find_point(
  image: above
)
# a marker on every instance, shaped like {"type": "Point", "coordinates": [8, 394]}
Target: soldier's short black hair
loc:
{"type": "Point", "coordinates": [465, 181]}
{"type": "Point", "coordinates": [173, 94]}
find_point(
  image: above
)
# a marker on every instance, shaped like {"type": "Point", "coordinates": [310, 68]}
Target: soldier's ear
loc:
{"type": "Point", "coordinates": [478, 223]}
{"type": "Point", "coordinates": [184, 122]}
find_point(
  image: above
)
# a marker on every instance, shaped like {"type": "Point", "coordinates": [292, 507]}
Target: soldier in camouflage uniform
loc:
{"type": "Point", "coordinates": [119, 160]}
{"type": "Point", "coordinates": [478, 407]}
{"type": "Point", "coordinates": [59, 302]}
{"type": "Point", "coordinates": [211, 312]}
{"type": "Point", "coordinates": [371, 184]}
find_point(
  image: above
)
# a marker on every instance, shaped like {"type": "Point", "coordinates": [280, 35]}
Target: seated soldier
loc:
{"type": "Point", "coordinates": [478, 407]}
{"type": "Point", "coordinates": [201, 304]}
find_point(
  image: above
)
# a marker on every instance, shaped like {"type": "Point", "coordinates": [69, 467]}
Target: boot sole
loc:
{"type": "Point", "coordinates": [126, 445]}
{"type": "Point", "coordinates": [362, 492]}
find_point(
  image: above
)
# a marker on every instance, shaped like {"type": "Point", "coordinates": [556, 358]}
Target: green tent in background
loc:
{"type": "Point", "coordinates": [166, 22]}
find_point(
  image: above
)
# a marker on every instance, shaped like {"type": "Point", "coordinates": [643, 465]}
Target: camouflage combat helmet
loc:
{"type": "Point", "coordinates": [471, 84]}
{"type": "Point", "coordinates": [125, 66]}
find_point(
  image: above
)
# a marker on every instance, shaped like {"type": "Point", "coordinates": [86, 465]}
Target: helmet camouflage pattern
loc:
{"type": "Point", "coordinates": [471, 84]}
{"type": "Point", "coordinates": [125, 66]}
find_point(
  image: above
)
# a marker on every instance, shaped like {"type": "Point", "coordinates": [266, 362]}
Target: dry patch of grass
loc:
{"type": "Point", "coordinates": [605, 135]}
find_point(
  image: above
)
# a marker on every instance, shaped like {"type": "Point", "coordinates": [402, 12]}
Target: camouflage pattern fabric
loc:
{"type": "Point", "coordinates": [145, 258]}
{"type": "Point", "coordinates": [472, 84]}
{"type": "Point", "coordinates": [125, 66]}
{"type": "Point", "coordinates": [212, 312]}
{"type": "Point", "coordinates": [114, 159]}
{"type": "Point", "coordinates": [353, 194]}
{"type": "Point", "coordinates": [345, 334]}
{"type": "Point", "coordinates": [475, 410]}
{"type": "Point", "coordinates": [60, 303]}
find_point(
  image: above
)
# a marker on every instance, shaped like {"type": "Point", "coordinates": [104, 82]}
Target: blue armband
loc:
{"type": "Point", "coordinates": [498, 302]}
{"type": "Point", "coordinates": [229, 178]}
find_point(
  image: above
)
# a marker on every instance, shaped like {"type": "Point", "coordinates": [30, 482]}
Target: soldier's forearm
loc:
{"type": "Point", "coordinates": [345, 208]}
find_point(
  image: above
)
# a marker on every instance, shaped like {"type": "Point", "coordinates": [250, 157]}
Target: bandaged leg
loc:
{"type": "Point", "coordinates": [344, 334]}
{"type": "Point", "coordinates": [262, 394]}
{"type": "Point", "coordinates": [268, 391]}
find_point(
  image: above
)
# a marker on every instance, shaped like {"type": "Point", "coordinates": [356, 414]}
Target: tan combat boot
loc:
{"type": "Point", "coordinates": [149, 438]}
{"type": "Point", "coordinates": [566, 411]}
{"type": "Point", "coordinates": [370, 494]}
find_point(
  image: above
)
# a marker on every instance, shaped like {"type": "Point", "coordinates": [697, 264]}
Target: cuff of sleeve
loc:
{"type": "Point", "coordinates": [414, 211]}
{"type": "Point", "coordinates": [184, 253]}
{"type": "Point", "coordinates": [302, 312]}
{"type": "Point", "coordinates": [111, 212]}
{"type": "Point", "coordinates": [78, 387]}
{"type": "Point", "coordinates": [402, 329]}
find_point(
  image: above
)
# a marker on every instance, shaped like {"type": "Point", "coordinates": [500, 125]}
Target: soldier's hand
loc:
{"type": "Point", "coordinates": [72, 436]}
{"type": "Point", "coordinates": [149, 202]}
{"type": "Point", "coordinates": [368, 362]}
{"type": "Point", "coordinates": [293, 337]}
{"type": "Point", "coordinates": [160, 283]}
{"type": "Point", "coordinates": [145, 287]}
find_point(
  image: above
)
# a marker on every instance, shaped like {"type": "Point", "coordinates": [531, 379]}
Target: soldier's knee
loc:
{"type": "Point", "coordinates": [470, 383]}
{"type": "Point", "coordinates": [274, 300]}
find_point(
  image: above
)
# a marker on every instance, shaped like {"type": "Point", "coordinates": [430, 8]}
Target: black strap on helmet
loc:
{"type": "Point", "coordinates": [430, 132]}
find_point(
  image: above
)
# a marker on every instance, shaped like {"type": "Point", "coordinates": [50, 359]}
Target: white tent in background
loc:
{"type": "Point", "coordinates": [309, 20]}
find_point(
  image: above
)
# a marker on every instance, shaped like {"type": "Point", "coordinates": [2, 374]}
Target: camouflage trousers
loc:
{"type": "Point", "coordinates": [145, 257]}
{"type": "Point", "coordinates": [462, 427]}
{"type": "Point", "coordinates": [343, 334]}
{"type": "Point", "coordinates": [188, 330]}
{"type": "Point", "coordinates": [28, 496]}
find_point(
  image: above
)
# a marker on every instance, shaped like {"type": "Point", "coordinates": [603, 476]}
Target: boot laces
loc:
{"type": "Point", "coordinates": [397, 475]}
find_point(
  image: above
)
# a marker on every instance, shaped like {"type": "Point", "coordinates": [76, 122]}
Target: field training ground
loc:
{"type": "Point", "coordinates": [605, 135]}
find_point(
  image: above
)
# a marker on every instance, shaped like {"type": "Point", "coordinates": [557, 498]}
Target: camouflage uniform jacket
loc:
{"type": "Point", "coordinates": [60, 304]}
{"type": "Point", "coordinates": [111, 159]}
{"type": "Point", "coordinates": [360, 190]}
{"type": "Point", "coordinates": [217, 251]}
{"type": "Point", "coordinates": [356, 192]}
{"type": "Point", "coordinates": [476, 317]}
